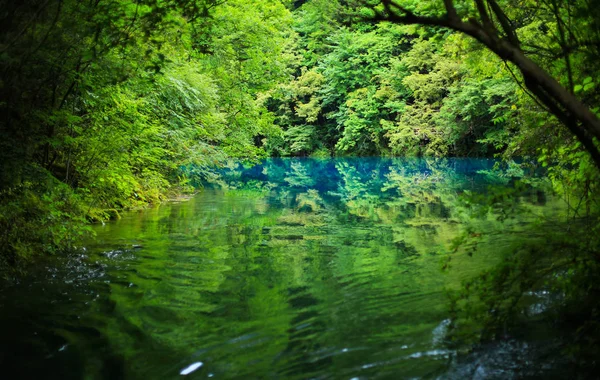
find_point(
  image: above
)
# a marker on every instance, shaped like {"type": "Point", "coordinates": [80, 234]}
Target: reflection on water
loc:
{"type": "Point", "coordinates": [295, 269]}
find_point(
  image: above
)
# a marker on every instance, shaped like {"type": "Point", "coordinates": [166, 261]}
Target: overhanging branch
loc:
{"type": "Point", "coordinates": [576, 116]}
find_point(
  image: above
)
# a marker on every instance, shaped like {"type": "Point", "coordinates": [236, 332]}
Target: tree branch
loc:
{"type": "Point", "coordinates": [485, 17]}
{"type": "Point", "coordinates": [450, 10]}
{"type": "Point", "coordinates": [567, 120]}
{"type": "Point", "coordinates": [580, 120]}
{"type": "Point", "coordinates": [504, 22]}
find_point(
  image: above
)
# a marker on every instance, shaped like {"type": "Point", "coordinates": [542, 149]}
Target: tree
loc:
{"type": "Point", "coordinates": [489, 23]}
{"type": "Point", "coordinates": [108, 105]}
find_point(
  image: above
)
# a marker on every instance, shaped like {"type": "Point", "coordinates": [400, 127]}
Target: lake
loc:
{"type": "Point", "coordinates": [290, 269]}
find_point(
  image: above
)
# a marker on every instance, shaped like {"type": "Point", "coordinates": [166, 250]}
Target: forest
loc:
{"type": "Point", "coordinates": [108, 106]}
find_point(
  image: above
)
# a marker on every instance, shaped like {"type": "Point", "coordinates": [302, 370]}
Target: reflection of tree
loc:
{"type": "Point", "coordinates": [309, 201]}
{"type": "Point", "coordinates": [352, 185]}
{"type": "Point", "coordinates": [414, 197]}
{"type": "Point", "coordinates": [298, 175]}
{"type": "Point", "coordinates": [279, 280]}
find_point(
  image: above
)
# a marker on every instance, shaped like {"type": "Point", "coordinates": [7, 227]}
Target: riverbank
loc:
{"type": "Point", "coordinates": [52, 218]}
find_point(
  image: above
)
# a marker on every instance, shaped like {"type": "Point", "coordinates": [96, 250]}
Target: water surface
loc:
{"type": "Point", "coordinates": [292, 269]}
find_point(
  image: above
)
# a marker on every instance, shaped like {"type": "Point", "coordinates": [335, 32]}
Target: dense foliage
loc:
{"type": "Point", "coordinates": [108, 105]}
{"type": "Point", "coordinates": [105, 103]}
{"type": "Point", "coordinates": [123, 101]}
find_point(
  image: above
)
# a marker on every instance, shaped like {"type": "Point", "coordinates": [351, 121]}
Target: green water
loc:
{"type": "Point", "coordinates": [293, 269]}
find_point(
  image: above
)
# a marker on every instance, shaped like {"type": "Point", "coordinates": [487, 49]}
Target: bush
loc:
{"type": "Point", "coordinates": [44, 217]}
